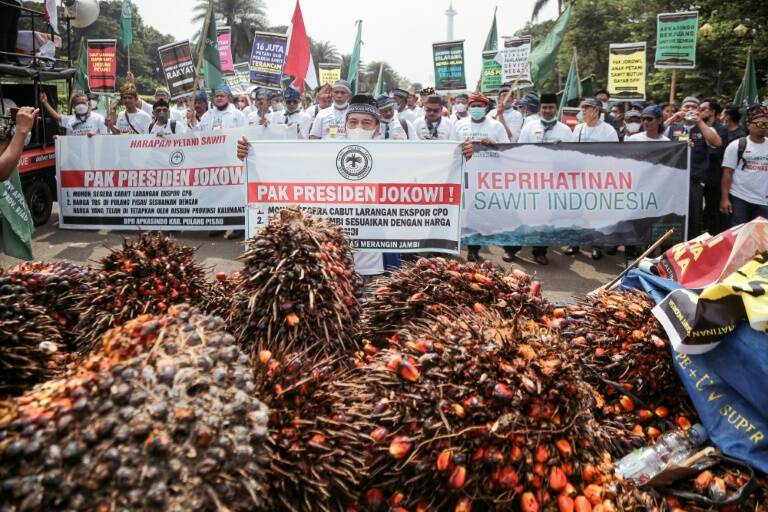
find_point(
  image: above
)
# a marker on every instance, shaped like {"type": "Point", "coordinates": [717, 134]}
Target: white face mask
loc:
{"type": "Point", "coordinates": [342, 106]}
{"type": "Point", "coordinates": [633, 127]}
{"type": "Point", "coordinates": [360, 134]}
{"type": "Point", "coordinates": [93, 104]}
{"type": "Point", "coordinates": [461, 108]}
{"type": "Point", "coordinates": [81, 109]}
{"type": "Point", "coordinates": [277, 107]}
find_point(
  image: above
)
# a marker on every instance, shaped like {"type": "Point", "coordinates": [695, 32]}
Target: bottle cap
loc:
{"type": "Point", "coordinates": [698, 433]}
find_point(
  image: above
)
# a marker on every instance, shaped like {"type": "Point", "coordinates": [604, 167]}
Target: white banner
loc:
{"type": "Point", "coordinates": [144, 182]}
{"type": "Point", "coordinates": [388, 196]}
{"type": "Point", "coordinates": [513, 57]}
{"type": "Point", "coordinates": [575, 194]}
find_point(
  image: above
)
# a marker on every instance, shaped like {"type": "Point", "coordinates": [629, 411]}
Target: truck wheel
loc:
{"type": "Point", "coordinates": [39, 198]}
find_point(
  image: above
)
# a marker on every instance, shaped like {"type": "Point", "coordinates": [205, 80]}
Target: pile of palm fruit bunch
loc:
{"type": "Point", "coordinates": [146, 275]}
{"type": "Point", "coordinates": [625, 355]}
{"type": "Point", "coordinates": [318, 452]}
{"type": "Point", "coordinates": [475, 412]}
{"type": "Point", "coordinates": [437, 285]}
{"type": "Point", "coordinates": [162, 416]}
{"type": "Point", "coordinates": [298, 289]}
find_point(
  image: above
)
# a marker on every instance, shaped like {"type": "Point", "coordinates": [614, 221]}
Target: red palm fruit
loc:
{"type": "Point", "coordinates": [683, 423]}
{"type": "Point", "coordinates": [396, 499]}
{"type": "Point", "coordinates": [558, 312]}
{"type": "Point", "coordinates": [264, 356]}
{"type": "Point", "coordinates": [508, 477]}
{"type": "Point", "coordinates": [535, 288]}
{"type": "Point", "coordinates": [528, 502]}
{"type": "Point", "coordinates": [582, 504]}
{"type": "Point", "coordinates": [317, 439]}
{"type": "Point", "coordinates": [569, 490]}
{"type": "Point", "coordinates": [379, 434]}
{"type": "Point", "coordinates": [478, 455]}
{"type": "Point", "coordinates": [457, 478]}
{"type": "Point", "coordinates": [422, 506]}
{"type": "Point", "coordinates": [444, 460]}
{"type": "Point", "coordinates": [653, 432]}
{"type": "Point", "coordinates": [478, 308]}
{"type": "Point", "coordinates": [542, 454]}
{"type": "Point", "coordinates": [588, 473]}
{"type": "Point", "coordinates": [494, 457]}
{"type": "Point", "coordinates": [464, 504]}
{"type": "Point", "coordinates": [221, 276]}
{"type": "Point", "coordinates": [662, 412]}
{"type": "Point", "coordinates": [515, 454]}
{"type": "Point", "coordinates": [539, 469]}
{"type": "Point", "coordinates": [644, 415]}
{"type": "Point", "coordinates": [638, 431]}
{"type": "Point", "coordinates": [626, 403]}
{"type": "Point", "coordinates": [594, 493]}
{"type": "Point", "coordinates": [564, 447]}
{"type": "Point", "coordinates": [502, 392]}
{"type": "Point", "coordinates": [557, 479]}
{"type": "Point", "coordinates": [399, 447]}
{"type": "Point", "coordinates": [394, 362]}
{"type": "Point", "coordinates": [292, 319]}
{"type": "Point", "coordinates": [564, 504]}
{"type": "Point", "coordinates": [374, 498]}
{"type": "Point", "coordinates": [599, 352]}
{"type": "Point", "coordinates": [408, 370]}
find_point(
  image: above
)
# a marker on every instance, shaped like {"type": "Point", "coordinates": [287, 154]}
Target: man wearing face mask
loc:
{"type": "Point", "coordinates": [84, 121]}
{"type": "Point", "coordinates": [460, 105]}
{"type": "Point", "coordinates": [276, 101]}
{"type": "Point", "coordinates": [507, 115]}
{"type": "Point", "coordinates": [632, 124]}
{"type": "Point", "coordinates": [689, 126]}
{"type": "Point", "coordinates": [293, 115]}
{"type": "Point", "coordinates": [403, 112]}
{"type": "Point", "coordinates": [393, 128]}
{"type": "Point", "coordinates": [131, 120]}
{"type": "Point", "coordinates": [362, 123]}
{"type": "Point", "coordinates": [259, 116]}
{"type": "Point", "coordinates": [223, 115]}
{"type": "Point", "coordinates": [433, 126]}
{"type": "Point", "coordinates": [330, 122]}
{"type": "Point", "coordinates": [163, 124]}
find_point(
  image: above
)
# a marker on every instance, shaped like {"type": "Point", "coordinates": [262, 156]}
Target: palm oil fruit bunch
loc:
{"type": "Point", "coordinates": [175, 428]}
{"type": "Point", "coordinates": [298, 288]}
{"type": "Point", "coordinates": [318, 459]}
{"type": "Point", "coordinates": [626, 357]}
{"type": "Point", "coordinates": [221, 293]}
{"type": "Point", "coordinates": [472, 412]}
{"type": "Point", "coordinates": [31, 346]}
{"type": "Point", "coordinates": [146, 275]}
{"type": "Point", "coordinates": [49, 285]}
{"type": "Point", "coordinates": [438, 285]}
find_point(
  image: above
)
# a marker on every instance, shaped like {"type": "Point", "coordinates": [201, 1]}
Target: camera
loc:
{"type": "Point", "coordinates": [691, 116]}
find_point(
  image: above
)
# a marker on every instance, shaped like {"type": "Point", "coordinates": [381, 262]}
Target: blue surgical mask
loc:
{"type": "Point", "coordinates": [477, 113]}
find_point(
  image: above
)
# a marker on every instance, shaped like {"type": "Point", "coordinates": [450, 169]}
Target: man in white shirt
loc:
{"type": "Point", "coordinates": [432, 125]}
{"type": "Point", "coordinates": [650, 120]}
{"type": "Point", "coordinates": [323, 99]}
{"type": "Point", "coordinates": [412, 105]}
{"type": "Point", "coordinates": [512, 120]}
{"type": "Point", "coordinates": [259, 116]}
{"type": "Point", "coordinates": [479, 126]}
{"type": "Point", "coordinates": [179, 111]}
{"type": "Point", "coordinates": [223, 115]}
{"type": "Point", "coordinates": [293, 115]}
{"type": "Point", "coordinates": [83, 122]}
{"type": "Point", "coordinates": [276, 101]}
{"type": "Point", "coordinates": [593, 129]}
{"type": "Point", "coordinates": [403, 112]}
{"type": "Point", "coordinates": [460, 105]}
{"type": "Point", "coordinates": [131, 120]}
{"type": "Point", "coordinates": [546, 129]}
{"type": "Point", "coordinates": [163, 125]}
{"type": "Point", "coordinates": [529, 107]}
{"type": "Point", "coordinates": [744, 188]}
{"type": "Point", "coordinates": [392, 127]}
{"type": "Point", "coordinates": [330, 122]}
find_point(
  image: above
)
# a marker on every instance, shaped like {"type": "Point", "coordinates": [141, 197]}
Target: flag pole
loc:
{"type": "Point", "coordinates": [128, 53]}
{"type": "Point", "coordinates": [672, 87]}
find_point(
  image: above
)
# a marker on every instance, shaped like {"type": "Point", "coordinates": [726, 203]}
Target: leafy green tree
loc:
{"type": "Point", "coordinates": [370, 75]}
{"type": "Point", "coordinates": [244, 17]}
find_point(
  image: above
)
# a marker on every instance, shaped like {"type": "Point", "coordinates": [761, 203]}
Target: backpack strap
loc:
{"type": "Point", "coordinates": [151, 125]}
{"type": "Point", "coordinates": [742, 149]}
{"type": "Point", "coordinates": [173, 126]}
{"type": "Point", "coordinates": [404, 124]}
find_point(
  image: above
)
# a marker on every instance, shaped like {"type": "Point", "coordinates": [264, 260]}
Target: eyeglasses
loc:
{"type": "Point", "coordinates": [760, 124]}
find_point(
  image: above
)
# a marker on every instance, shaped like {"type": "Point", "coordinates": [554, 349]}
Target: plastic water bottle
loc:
{"type": "Point", "coordinates": [673, 447]}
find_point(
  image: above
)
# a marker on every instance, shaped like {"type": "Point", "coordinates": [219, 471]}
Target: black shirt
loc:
{"type": "Point", "coordinates": [699, 152]}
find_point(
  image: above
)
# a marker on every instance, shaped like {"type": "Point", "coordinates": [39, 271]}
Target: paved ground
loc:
{"type": "Point", "coordinates": [563, 278]}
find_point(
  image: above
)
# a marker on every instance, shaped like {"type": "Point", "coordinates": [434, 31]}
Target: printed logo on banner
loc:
{"type": "Point", "coordinates": [354, 162]}
{"type": "Point", "coordinates": [177, 158]}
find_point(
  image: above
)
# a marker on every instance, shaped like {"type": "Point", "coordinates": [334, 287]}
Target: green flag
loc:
{"type": "Point", "coordinates": [572, 89]}
{"type": "Point", "coordinates": [126, 19]}
{"type": "Point", "coordinates": [746, 94]}
{"type": "Point", "coordinates": [492, 41]}
{"type": "Point", "coordinates": [354, 62]}
{"type": "Point", "coordinates": [16, 219]}
{"type": "Point", "coordinates": [81, 77]}
{"type": "Point", "coordinates": [211, 63]}
{"type": "Point", "coordinates": [543, 58]}
{"type": "Point", "coordinates": [379, 82]}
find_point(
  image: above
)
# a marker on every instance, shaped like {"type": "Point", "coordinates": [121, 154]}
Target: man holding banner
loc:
{"type": "Point", "coordinates": [293, 115]}
{"type": "Point", "coordinates": [83, 122]}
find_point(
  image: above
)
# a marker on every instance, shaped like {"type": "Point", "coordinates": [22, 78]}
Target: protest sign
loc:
{"type": "Point", "coordinates": [144, 182]}
{"type": "Point", "coordinates": [387, 196]}
{"type": "Point", "coordinates": [329, 72]}
{"type": "Point", "coordinates": [102, 65]}
{"type": "Point", "coordinates": [513, 58]}
{"type": "Point", "coordinates": [178, 68]}
{"type": "Point", "coordinates": [491, 77]}
{"type": "Point", "coordinates": [241, 79]}
{"type": "Point", "coordinates": [575, 194]}
{"type": "Point", "coordinates": [448, 58]}
{"type": "Point", "coordinates": [676, 39]}
{"type": "Point", "coordinates": [224, 40]}
{"type": "Point", "coordinates": [626, 71]}
{"type": "Point", "coordinates": [267, 59]}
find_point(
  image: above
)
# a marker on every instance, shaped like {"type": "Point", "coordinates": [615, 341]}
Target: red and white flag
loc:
{"type": "Point", "coordinates": [51, 15]}
{"type": "Point", "coordinates": [298, 59]}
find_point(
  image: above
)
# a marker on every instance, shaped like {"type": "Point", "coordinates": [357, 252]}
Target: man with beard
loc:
{"type": "Point", "coordinates": [83, 122]}
{"type": "Point", "coordinates": [222, 116]}
{"type": "Point", "coordinates": [330, 122]}
{"type": "Point", "coordinates": [392, 127]}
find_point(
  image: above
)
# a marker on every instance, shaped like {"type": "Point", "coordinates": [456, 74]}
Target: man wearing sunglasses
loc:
{"type": "Point", "coordinates": [292, 114]}
{"type": "Point", "coordinates": [432, 125]}
{"type": "Point", "coordinates": [650, 122]}
{"type": "Point", "coordinates": [744, 189]}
